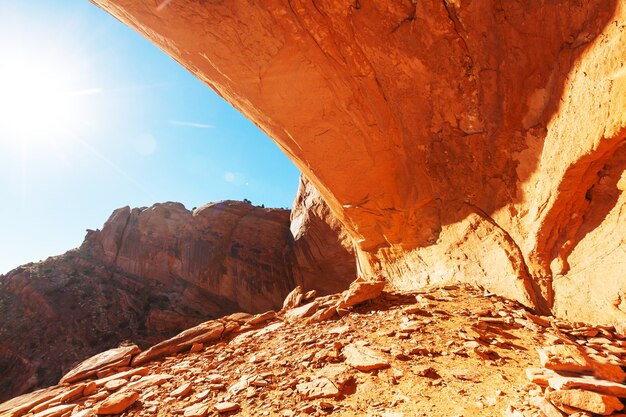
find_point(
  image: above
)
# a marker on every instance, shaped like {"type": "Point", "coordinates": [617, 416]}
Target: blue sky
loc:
{"type": "Point", "coordinates": [93, 117]}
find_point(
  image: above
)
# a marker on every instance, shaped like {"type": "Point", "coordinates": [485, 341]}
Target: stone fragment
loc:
{"type": "Point", "coordinates": [359, 292]}
{"type": "Point", "coordinates": [512, 412]}
{"type": "Point", "coordinates": [568, 358]}
{"type": "Point", "coordinates": [183, 390]}
{"type": "Point", "coordinates": [71, 394]}
{"type": "Point", "coordinates": [262, 318]}
{"type": "Point", "coordinates": [270, 329]}
{"type": "Point", "coordinates": [149, 381]}
{"type": "Point", "coordinates": [542, 321]}
{"type": "Point", "coordinates": [546, 408]}
{"type": "Point", "coordinates": [224, 407]}
{"type": "Point", "coordinates": [196, 410]}
{"type": "Point", "coordinates": [540, 376]}
{"type": "Point", "coordinates": [293, 299]}
{"type": "Point", "coordinates": [298, 313]}
{"type": "Point", "coordinates": [110, 359]}
{"type": "Point", "coordinates": [609, 372]}
{"type": "Point", "coordinates": [90, 388]}
{"type": "Point", "coordinates": [586, 400]}
{"type": "Point", "coordinates": [323, 314]}
{"type": "Point", "coordinates": [309, 295]}
{"type": "Point", "coordinates": [141, 371]}
{"type": "Point", "coordinates": [427, 372]}
{"type": "Point", "coordinates": [363, 358]}
{"type": "Point", "coordinates": [56, 411]}
{"type": "Point", "coordinates": [87, 412]}
{"type": "Point", "coordinates": [117, 403]}
{"type": "Point", "coordinates": [115, 384]}
{"type": "Point", "coordinates": [318, 388]}
{"type": "Point", "coordinates": [196, 347]}
{"type": "Point", "coordinates": [588, 383]}
{"type": "Point", "coordinates": [204, 332]}
{"type": "Point", "coordinates": [239, 386]}
{"type": "Point", "coordinates": [202, 395]}
{"type": "Point", "coordinates": [19, 406]}
{"type": "Point", "coordinates": [214, 378]}
{"type": "Point", "coordinates": [239, 317]}
{"type": "Point", "coordinates": [466, 375]}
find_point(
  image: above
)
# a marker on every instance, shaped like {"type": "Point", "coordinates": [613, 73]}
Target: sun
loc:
{"type": "Point", "coordinates": [36, 100]}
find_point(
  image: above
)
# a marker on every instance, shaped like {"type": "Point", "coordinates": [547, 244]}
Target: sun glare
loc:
{"type": "Point", "coordinates": [36, 101]}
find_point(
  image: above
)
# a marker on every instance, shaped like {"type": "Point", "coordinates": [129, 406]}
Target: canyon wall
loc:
{"type": "Point", "coordinates": [479, 140]}
{"type": "Point", "coordinates": [153, 272]}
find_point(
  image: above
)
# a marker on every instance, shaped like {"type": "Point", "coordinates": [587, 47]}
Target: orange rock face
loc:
{"type": "Point", "coordinates": [480, 141]}
{"type": "Point", "coordinates": [232, 250]}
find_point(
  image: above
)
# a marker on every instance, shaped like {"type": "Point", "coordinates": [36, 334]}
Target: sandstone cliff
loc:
{"type": "Point", "coordinates": [153, 272]}
{"type": "Point", "coordinates": [480, 141]}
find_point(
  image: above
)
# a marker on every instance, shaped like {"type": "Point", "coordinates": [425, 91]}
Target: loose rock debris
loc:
{"type": "Point", "coordinates": [441, 351]}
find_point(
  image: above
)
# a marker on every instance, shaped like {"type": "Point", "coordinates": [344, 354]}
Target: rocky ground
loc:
{"type": "Point", "coordinates": [441, 351]}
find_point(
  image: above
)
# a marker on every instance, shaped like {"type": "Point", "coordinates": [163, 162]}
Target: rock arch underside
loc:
{"type": "Point", "coordinates": [455, 140]}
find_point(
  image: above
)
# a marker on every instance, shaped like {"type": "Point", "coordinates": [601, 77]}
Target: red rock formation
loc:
{"type": "Point", "coordinates": [475, 140]}
{"type": "Point", "coordinates": [229, 249]}
{"type": "Point", "coordinates": [153, 272]}
{"type": "Point", "coordinates": [322, 248]}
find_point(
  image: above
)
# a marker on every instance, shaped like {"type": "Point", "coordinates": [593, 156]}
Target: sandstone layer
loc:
{"type": "Point", "coordinates": [153, 272]}
{"type": "Point", "coordinates": [480, 141]}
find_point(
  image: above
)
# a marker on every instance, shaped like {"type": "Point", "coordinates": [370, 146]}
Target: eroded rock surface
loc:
{"type": "Point", "coordinates": [480, 141]}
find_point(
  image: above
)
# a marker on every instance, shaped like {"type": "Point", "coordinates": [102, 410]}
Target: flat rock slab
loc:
{"type": "Point", "coordinates": [586, 400]}
{"type": "Point", "coordinates": [56, 411]}
{"type": "Point", "coordinates": [590, 384]}
{"type": "Point", "coordinates": [117, 403]}
{"type": "Point", "coordinates": [568, 358]}
{"type": "Point", "coordinates": [149, 381]}
{"type": "Point", "coordinates": [122, 375]}
{"type": "Point", "coordinates": [226, 407]}
{"type": "Point", "coordinates": [19, 406]}
{"type": "Point", "coordinates": [546, 408]}
{"type": "Point", "coordinates": [540, 376]}
{"type": "Point", "coordinates": [196, 410]}
{"type": "Point", "coordinates": [204, 332]}
{"type": "Point", "coordinates": [262, 318]}
{"type": "Point", "coordinates": [318, 388]}
{"type": "Point", "coordinates": [364, 358]}
{"type": "Point", "coordinates": [115, 384]}
{"type": "Point", "coordinates": [183, 390]}
{"type": "Point", "coordinates": [109, 359]}
{"type": "Point", "coordinates": [359, 292]}
{"type": "Point", "coordinates": [300, 312]}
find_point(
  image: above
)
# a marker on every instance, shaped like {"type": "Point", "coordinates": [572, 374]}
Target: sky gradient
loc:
{"type": "Point", "coordinates": [135, 129]}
